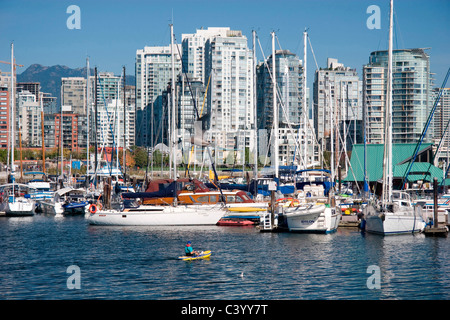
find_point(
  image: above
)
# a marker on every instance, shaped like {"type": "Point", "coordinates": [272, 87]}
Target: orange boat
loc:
{"type": "Point", "coordinates": [162, 192]}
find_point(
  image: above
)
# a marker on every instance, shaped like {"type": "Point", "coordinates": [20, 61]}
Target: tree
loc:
{"type": "Point", "coordinates": [140, 156]}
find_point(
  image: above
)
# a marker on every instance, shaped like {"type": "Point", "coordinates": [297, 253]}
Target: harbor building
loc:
{"type": "Point", "coordinates": [420, 173]}
{"type": "Point", "coordinates": [337, 103]}
{"type": "Point", "coordinates": [153, 74]}
{"type": "Point", "coordinates": [411, 95]}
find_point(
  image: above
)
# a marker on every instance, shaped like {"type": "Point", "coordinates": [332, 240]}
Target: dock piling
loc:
{"type": "Point", "coordinates": [435, 230]}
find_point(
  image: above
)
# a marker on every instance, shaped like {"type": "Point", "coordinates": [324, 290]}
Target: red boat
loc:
{"type": "Point", "coordinates": [236, 223]}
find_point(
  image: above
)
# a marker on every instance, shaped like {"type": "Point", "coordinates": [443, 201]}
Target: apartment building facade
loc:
{"type": "Point", "coordinates": [73, 93]}
{"type": "Point", "coordinates": [153, 75]}
{"type": "Point", "coordinates": [291, 119]}
{"type": "Point", "coordinates": [411, 95]}
{"type": "Point", "coordinates": [337, 96]}
{"type": "Point", "coordinates": [230, 102]}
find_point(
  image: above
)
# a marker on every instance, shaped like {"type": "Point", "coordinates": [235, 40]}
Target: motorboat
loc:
{"type": "Point", "coordinates": [66, 201]}
{"type": "Point", "coordinates": [16, 200]}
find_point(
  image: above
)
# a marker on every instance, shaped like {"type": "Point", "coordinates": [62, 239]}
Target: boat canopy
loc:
{"type": "Point", "coordinates": [16, 185]}
{"type": "Point", "coordinates": [63, 191]}
{"type": "Point", "coordinates": [311, 170]}
{"type": "Point", "coordinates": [34, 173]}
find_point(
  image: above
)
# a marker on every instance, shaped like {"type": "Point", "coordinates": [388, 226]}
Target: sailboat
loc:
{"type": "Point", "coordinates": [394, 214]}
{"type": "Point", "coordinates": [168, 215]}
{"type": "Point", "coordinates": [315, 209]}
{"type": "Point", "coordinates": [16, 200]}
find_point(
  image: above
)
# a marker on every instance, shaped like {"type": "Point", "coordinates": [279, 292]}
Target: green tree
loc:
{"type": "Point", "coordinates": [140, 156]}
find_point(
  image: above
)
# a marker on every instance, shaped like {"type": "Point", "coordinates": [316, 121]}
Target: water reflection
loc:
{"type": "Point", "coordinates": [141, 263]}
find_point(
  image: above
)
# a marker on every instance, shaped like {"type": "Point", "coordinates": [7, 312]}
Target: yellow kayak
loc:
{"type": "Point", "coordinates": [202, 255]}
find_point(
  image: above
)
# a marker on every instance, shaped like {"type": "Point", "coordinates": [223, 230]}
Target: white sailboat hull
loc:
{"type": "Point", "coordinates": [404, 221]}
{"type": "Point", "coordinates": [316, 219]}
{"type": "Point", "coordinates": [19, 207]}
{"type": "Point", "coordinates": [159, 216]}
{"type": "Point", "coordinates": [52, 208]}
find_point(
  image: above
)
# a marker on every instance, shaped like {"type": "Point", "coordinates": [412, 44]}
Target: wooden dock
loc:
{"type": "Point", "coordinates": [439, 231]}
{"type": "Point", "coordinates": [436, 229]}
{"type": "Point", "coordinates": [349, 221]}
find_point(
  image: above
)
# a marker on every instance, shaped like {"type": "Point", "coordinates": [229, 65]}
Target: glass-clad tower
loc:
{"type": "Point", "coordinates": [411, 95]}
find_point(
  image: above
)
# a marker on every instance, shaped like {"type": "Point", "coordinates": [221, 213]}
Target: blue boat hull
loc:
{"type": "Point", "coordinates": [75, 208]}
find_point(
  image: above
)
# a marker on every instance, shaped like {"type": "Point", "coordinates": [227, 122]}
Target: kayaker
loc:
{"type": "Point", "coordinates": [189, 250]}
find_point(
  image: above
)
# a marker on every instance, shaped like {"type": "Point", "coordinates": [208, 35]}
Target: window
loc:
{"type": "Point", "coordinates": [203, 199]}
{"type": "Point", "coordinates": [231, 199]}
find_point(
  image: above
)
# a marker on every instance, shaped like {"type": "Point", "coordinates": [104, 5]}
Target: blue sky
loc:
{"type": "Point", "coordinates": [111, 31]}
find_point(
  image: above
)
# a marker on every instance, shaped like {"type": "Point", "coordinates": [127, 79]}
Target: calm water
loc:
{"type": "Point", "coordinates": [141, 263]}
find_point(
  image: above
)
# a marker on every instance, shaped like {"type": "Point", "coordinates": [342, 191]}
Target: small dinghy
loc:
{"type": "Point", "coordinates": [237, 223]}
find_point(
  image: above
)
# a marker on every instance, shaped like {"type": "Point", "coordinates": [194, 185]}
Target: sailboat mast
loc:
{"type": "Point", "coordinates": [305, 109]}
{"type": "Point", "coordinates": [332, 147]}
{"type": "Point", "coordinates": [88, 107]}
{"type": "Point", "coordinates": [387, 159]}
{"type": "Point", "coordinates": [255, 113]}
{"type": "Point", "coordinates": [172, 94]}
{"type": "Point", "coordinates": [95, 126]}
{"type": "Point", "coordinates": [117, 124]}
{"type": "Point", "coordinates": [366, 186]}
{"type": "Point", "coordinates": [390, 169]}
{"type": "Point", "coordinates": [124, 147]}
{"type": "Point", "coordinates": [275, 110]}
{"type": "Point", "coordinates": [42, 132]}
{"type": "Point", "coordinates": [13, 120]}
{"type": "Point", "coordinates": [61, 139]}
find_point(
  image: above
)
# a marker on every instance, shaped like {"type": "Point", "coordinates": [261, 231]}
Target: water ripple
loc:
{"type": "Point", "coordinates": [141, 263]}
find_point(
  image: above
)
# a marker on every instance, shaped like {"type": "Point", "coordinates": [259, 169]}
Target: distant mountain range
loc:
{"type": "Point", "coordinates": [50, 77]}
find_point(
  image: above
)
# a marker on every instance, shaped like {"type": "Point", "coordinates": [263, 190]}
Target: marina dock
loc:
{"type": "Point", "coordinates": [441, 231]}
{"type": "Point", "coordinates": [349, 221]}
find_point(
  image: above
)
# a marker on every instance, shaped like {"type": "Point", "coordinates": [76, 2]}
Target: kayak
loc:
{"type": "Point", "coordinates": [202, 255]}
